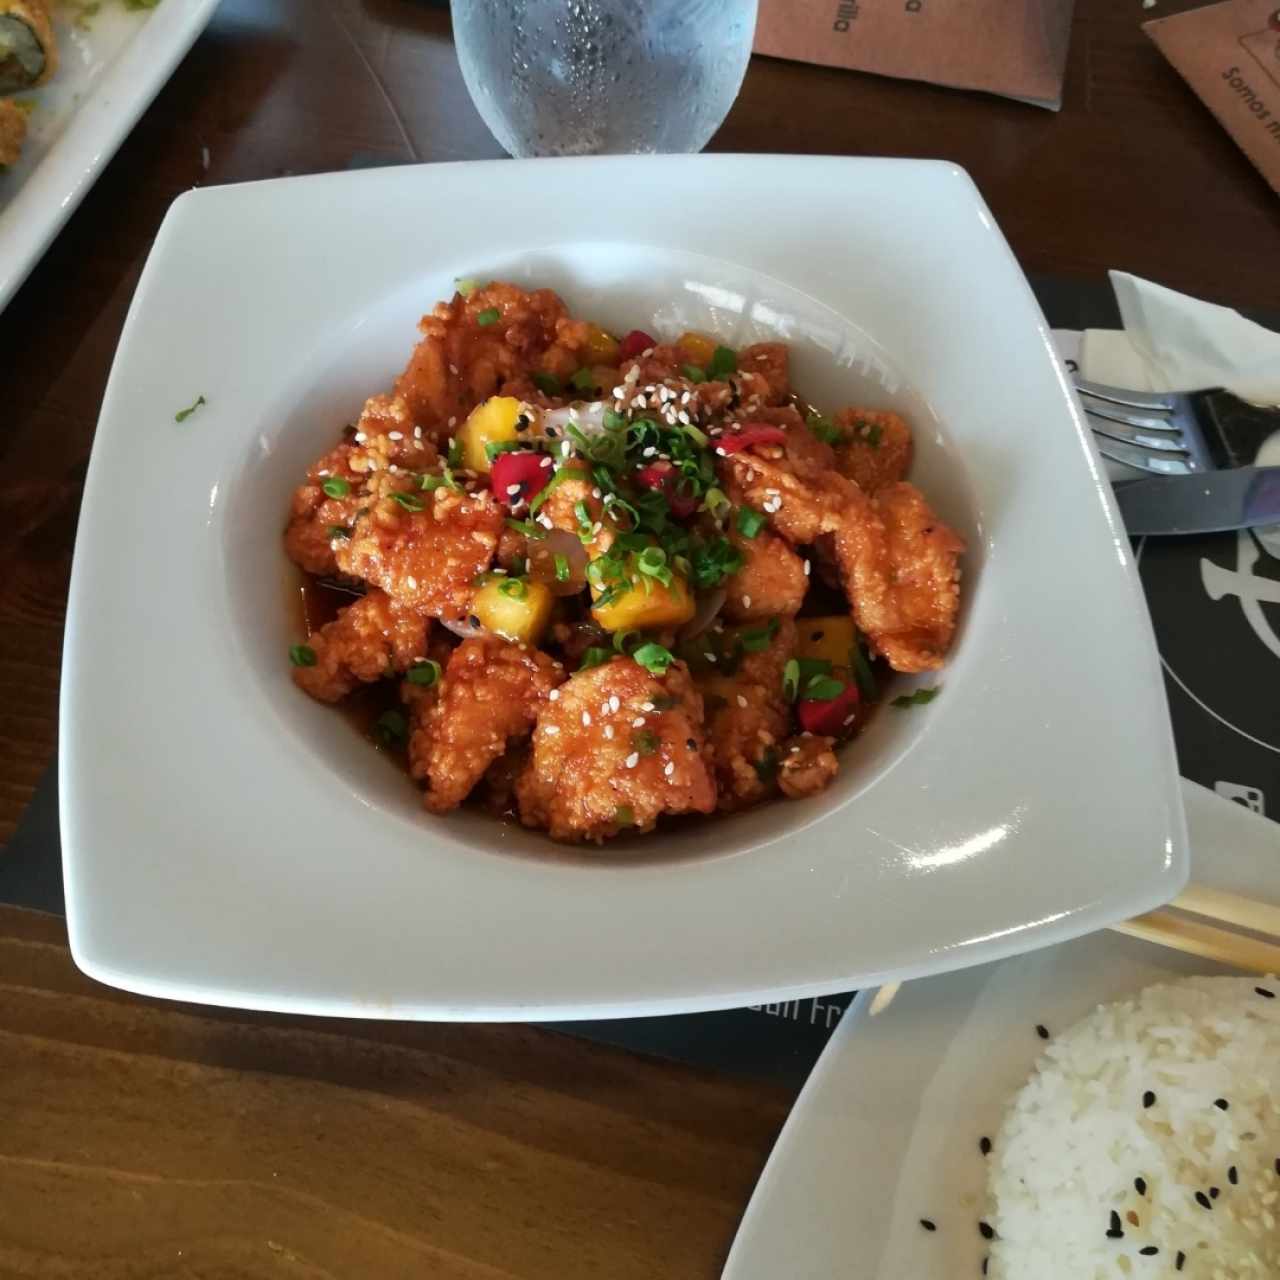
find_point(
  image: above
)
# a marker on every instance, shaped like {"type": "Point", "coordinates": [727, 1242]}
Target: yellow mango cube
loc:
{"type": "Point", "coordinates": [602, 347]}
{"type": "Point", "coordinates": [830, 639]}
{"type": "Point", "coordinates": [493, 421]}
{"type": "Point", "coordinates": [696, 348]}
{"type": "Point", "coordinates": [514, 608]}
{"type": "Point", "coordinates": [648, 607]}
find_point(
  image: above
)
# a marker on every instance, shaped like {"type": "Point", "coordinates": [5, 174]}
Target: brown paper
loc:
{"type": "Point", "coordinates": [1230, 55]}
{"type": "Point", "coordinates": [1017, 48]}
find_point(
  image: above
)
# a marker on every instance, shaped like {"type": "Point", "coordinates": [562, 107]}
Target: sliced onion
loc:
{"type": "Point", "coordinates": [587, 417]}
{"type": "Point", "coordinates": [709, 606]}
{"type": "Point", "coordinates": [461, 627]}
{"type": "Point", "coordinates": [542, 561]}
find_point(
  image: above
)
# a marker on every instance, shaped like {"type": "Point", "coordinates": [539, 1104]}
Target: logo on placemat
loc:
{"type": "Point", "coordinates": [1215, 605]}
{"type": "Point", "coordinates": [1247, 797]}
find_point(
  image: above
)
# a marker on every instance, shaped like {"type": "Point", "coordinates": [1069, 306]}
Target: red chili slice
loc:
{"type": "Point", "coordinates": [749, 434]}
{"type": "Point", "coordinates": [828, 718]}
{"type": "Point", "coordinates": [519, 477]}
{"type": "Point", "coordinates": [663, 476]}
{"type": "Point", "coordinates": [634, 343]}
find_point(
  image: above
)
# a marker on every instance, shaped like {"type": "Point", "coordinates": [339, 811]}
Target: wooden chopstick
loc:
{"type": "Point", "coordinates": [1199, 939]}
{"type": "Point", "coordinates": [1230, 908]}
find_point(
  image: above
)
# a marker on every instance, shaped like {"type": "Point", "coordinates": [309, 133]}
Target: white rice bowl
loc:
{"type": "Point", "coordinates": [1093, 1177]}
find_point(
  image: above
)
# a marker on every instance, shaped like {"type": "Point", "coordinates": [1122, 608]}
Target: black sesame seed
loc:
{"type": "Point", "coordinates": [1148, 1099]}
{"type": "Point", "coordinates": [1149, 1251]}
{"type": "Point", "coordinates": [1203, 1200]}
{"type": "Point", "coordinates": [988, 1231]}
{"type": "Point", "coordinates": [1042, 1031]}
{"type": "Point", "coordinates": [1278, 1166]}
{"type": "Point", "coordinates": [691, 743]}
{"type": "Point", "coordinates": [1115, 1231]}
{"type": "Point", "coordinates": [1214, 1193]}
{"type": "Point", "coordinates": [1221, 1103]}
{"type": "Point", "coordinates": [1262, 991]}
{"type": "Point", "coordinates": [984, 1266]}
{"type": "Point", "coordinates": [984, 1145]}
{"type": "Point", "coordinates": [1233, 1176]}
{"type": "Point", "coordinates": [928, 1225]}
{"type": "Point", "coordinates": [1140, 1186]}
{"type": "Point", "coordinates": [1178, 1259]}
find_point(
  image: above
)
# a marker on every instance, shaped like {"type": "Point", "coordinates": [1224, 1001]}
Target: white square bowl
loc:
{"type": "Point", "coordinates": [226, 840]}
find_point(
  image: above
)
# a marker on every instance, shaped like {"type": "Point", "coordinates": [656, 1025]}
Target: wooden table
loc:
{"type": "Point", "coordinates": [139, 1138]}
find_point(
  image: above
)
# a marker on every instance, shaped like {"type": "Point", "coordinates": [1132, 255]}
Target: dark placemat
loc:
{"type": "Point", "coordinates": [1215, 605]}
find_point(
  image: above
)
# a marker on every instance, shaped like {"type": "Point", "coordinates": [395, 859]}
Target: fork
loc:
{"type": "Point", "coordinates": [1157, 432]}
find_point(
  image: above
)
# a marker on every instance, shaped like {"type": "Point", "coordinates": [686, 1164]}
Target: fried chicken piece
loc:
{"type": "Point", "coordinates": [806, 766]}
{"type": "Point", "coordinates": [771, 583]}
{"type": "Point", "coordinates": [898, 561]}
{"type": "Point", "coordinates": [427, 559]}
{"type": "Point", "coordinates": [575, 486]}
{"type": "Point", "coordinates": [771, 362]}
{"type": "Point", "coordinates": [614, 750]}
{"type": "Point", "coordinates": [913, 622]}
{"type": "Point", "coordinates": [382, 439]}
{"type": "Point", "coordinates": [877, 450]}
{"type": "Point", "coordinates": [460, 362]}
{"type": "Point", "coordinates": [490, 696]}
{"type": "Point", "coordinates": [747, 717]}
{"type": "Point", "coordinates": [369, 639]}
{"type": "Point", "coordinates": [13, 132]}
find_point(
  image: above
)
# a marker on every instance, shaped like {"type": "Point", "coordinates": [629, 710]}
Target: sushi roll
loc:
{"type": "Point", "coordinates": [13, 131]}
{"type": "Point", "coordinates": [28, 50]}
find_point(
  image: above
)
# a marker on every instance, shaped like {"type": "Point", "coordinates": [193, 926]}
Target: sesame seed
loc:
{"type": "Point", "coordinates": [742, 702]}
{"type": "Point", "coordinates": [638, 722]}
{"type": "Point", "coordinates": [395, 435]}
{"type": "Point", "coordinates": [586, 718]}
{"type": "Point", "coordinates": [393, 468]}
{"type": "Point", "coordinates": [614, 704]}
{"type": "Point", "coordinates": [691, 743]}
{"type": "Point", "coordinates": [848, 720]}
{"type": "Point", "coordinates": [639, 403]}
{"type": "Point", "coordinates": [746, 602]}
{"type": "Point", "coordinates": [646, 706]}
{"type": "Point", "coordinates": [451, 422]}
{"type": "Point", "coordinates": [1266, 995]}
{"type": "Point", "coordinates": [551, 730]}
{"type": "Point", "coordinates": [411, 583]}
{"type": "Point", "coordinates": [546, 462]}
{"type": "Point", "coordinates": [928, 1225]}
{"type": "Point", "coordinates": [1203, 1200]}
{"type": "Point", "coordinates": [988, 1231]}
{"type": "Point", "coordinates": [684, 418]}
{"type": "Point", "coordinates": [1140, 1186]}
{"type": "Point", "coordinates": [686, 397]}
{"type": "Point", "coordinates": [1178, 1260]}
{"type": "Point", "coordinates": [554, 695]}
{"type": "Point", "coordinates": [648, 451]}
{"type": "Point", "coordinates": [710, 657]}
{"type": "Point", "coordinates": [669, 768]}
{"type": "Point", "coordinates": [1115, 1231]}
{"type": "Point", "coordinates": [807, 567]}
{"type": "Point", "coordinates": [1042, 1031]}
{"type": "Point", "coordinates": [1149, 1251]}
{"type": "Point", "coordinates": [984, 1144]}
{"type": "Point", "coordinates": [1148, 1099]}
{"type": "Point", "coordinates": [513, 489]}
{"type": "Point", "coordinates": [608, 731]}
{"type": "Point", "coordinates": [1214, 1193]}
{"type": "Point", "coordinates": [417, 433]}
{"type": "Point", "coordinates": [1233, 1175]}
{"type": "Point", "coordinates": [596, 493]}
{"type": "Point", "coordinates": [453, 368]}
{"type": "Point", "coordinates": [1221, 1103]}
{"type": "Point", "coordinates": [632, 760]}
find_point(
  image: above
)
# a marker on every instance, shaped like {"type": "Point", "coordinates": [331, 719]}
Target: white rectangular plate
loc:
{"type": "Point", "coordinates": [111, 69]}
{"type": "Point", "coordinates": [228, 840]}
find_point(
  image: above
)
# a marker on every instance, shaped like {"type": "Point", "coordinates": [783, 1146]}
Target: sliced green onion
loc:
{"type": "Point", "coordinates": [665, 702]}
{"type": "Point", "coordinates": [750, 522]}
{"type": "Point", "coordinates": [562, 474]}
{"type": "Point", "coordinates": [454, 455]}
{"type": "Point", "coordinates": [917, 699]}
{"type": "Point", "coordinates": [594, 657]}
{"type": "Point", "coordinates": [824, 429]}
{"type": "Point", "coordinates": [336, 487]}
{"type": "Point", "coordinates": [810, 667]}
{"type": "Point", "coordinates": [697, 435]}
{"type": "Point", "coordinates": [562, 568]}
{"type": "Point", "coordinates": [426, 672]}
{"type": "Point", "coordinates": [513, 589]}
{"type": "Point", "coordinates": [548, 384]}
{"type": "Point", "coordinates": [490, 315]}
{"type": "Point", "coordinates": [529, 529]}
{"type": "Point", "coordinates": [645, 741]}
{"type": "Point", "coordinates": [757, 641]}
{"type": "Point", "coordinates": [652, 562]}
{"type": "Point", "coordinates": [583, 380]}
{"type": "Point", "coordinates": [624, 815]}
{"type": "Point", "coordinates": [824, 688]}
{"type": "Point", "coordinates": [183, 414]}
{"type": "Point", "coordinates": [613, 420]}
{"type": "Point", "coordinates": [717, 503]}
{"type": "Point", "coordinates": [654, 658]}
{"type": "Point", "coordinates": [408, 501]}
{"type": "Point", "coordinates": [466, 285]}
{"type": "Point", "coordinates": [583, 515]}
{"type": "Point", "coordinates": [622, 639]}
{"type": "Point", "coordinates": [496, 448]}
{"type": "Point", "coordinates": [302, 655]}
{"type": "Point", "coordinates": [862, 672]}
{"type": "Point", "coordinates": [767, 766]}
{"type": "Point", "coordinates": [693, 373]}
{"type": "Point", "coordinates": [392, 728]}
{"type": "Point", "coordinates": [791, 680]}
{"type": "Point", "coordinates": [339, 531]}
{"type": "Point", "coordinates": [723, 361]}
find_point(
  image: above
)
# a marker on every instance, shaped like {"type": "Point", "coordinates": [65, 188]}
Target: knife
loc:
{"type": "Point", "coordinates": [1207, 502]}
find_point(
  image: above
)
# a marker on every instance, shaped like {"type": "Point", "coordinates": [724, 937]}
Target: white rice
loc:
{"type": "Point", "coordinates": [1078, 1145]}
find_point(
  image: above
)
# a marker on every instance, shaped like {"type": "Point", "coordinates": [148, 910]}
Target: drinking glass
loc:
{"type": "Point", "coordinates": [592, 77]}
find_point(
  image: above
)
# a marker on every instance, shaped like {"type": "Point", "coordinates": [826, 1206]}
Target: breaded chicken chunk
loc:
{"type": "Point", "coordinates": [424, 548]}
{"type": "Point", "coordinates": [369, 639]}
{"type": "Point", "coordinates": [898, 561]}
{"type": "Point", "coordinates": [466, 354]}
{"type": "Point", "coordinates": [771, 583]}
{"type": "Point", "coordinates": [806, 765]}
{"type": "Point", "coordinates": [489, 697]}
{"type": "Point", "coordinates": [747, 718]}
{"type": "Point", "coordinates": [576, 493]}
{"type": "Point", "coordinates": [877, 448]}
{"type": "Point", "coordinates": [614, 749]}
{"type": "Point", "coordinates": [770, 362]}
